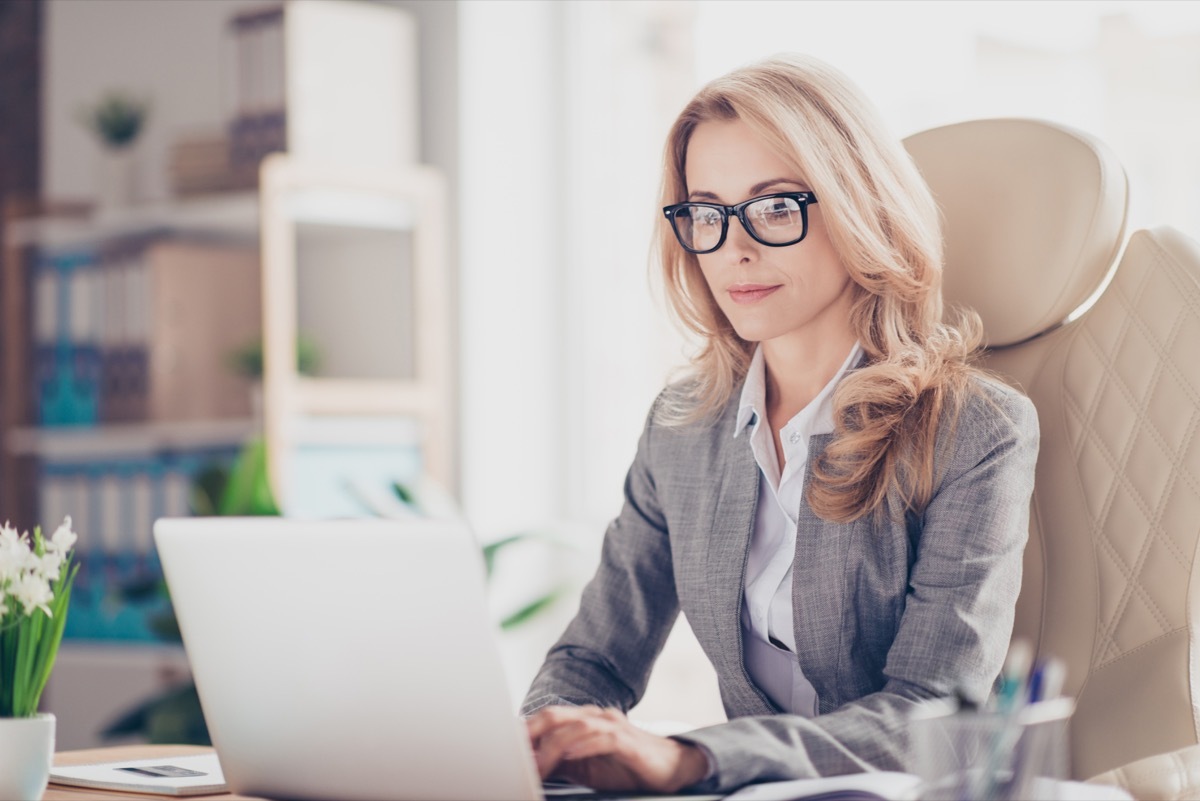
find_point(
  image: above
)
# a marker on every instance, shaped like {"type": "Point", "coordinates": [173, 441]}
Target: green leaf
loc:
{"type": "Point", "coordinates": [531, 610]}
{"type": "Point", "coordinates": [248, 492]}
{"type": "Point", "coordinates": [491, 550]}
{"type": "Point", "coordinates": [116, 119]}
{"type": "Point", "coordinates": [8, 669]}
{"type": "Point", "coordinates": [52, 637]}
{"type": "Point", "coordinates": [165, 626]}
{"type": "Point", "coordinates": [174, 716]}
{"type": "Point", "coordinates": [207, 487]}
{"type": "Point", "coordinates": [28, 631]}
{"type": "Point", "coordinates": [404, 493]}
{"type": "Point", "coordinates": [248, 359]}
{"type": "Point", "coordinates": [141, 590]}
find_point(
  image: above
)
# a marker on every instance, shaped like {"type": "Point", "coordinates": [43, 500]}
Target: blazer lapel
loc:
{"type": "Point", "coordinates": [729, 543]}
{"type": "Point", "coordinates": [819, 591]}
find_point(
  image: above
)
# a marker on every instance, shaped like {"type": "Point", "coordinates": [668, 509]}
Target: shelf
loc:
{"type": "Point", "coordinates": [233, 215]}
{"type": "Point", "coordinates": [128, 439]}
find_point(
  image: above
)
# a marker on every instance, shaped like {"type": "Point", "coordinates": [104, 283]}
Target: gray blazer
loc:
{"type": "Point", "coordinates": [887, 613]}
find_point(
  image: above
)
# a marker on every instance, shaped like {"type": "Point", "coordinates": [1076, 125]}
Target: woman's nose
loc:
{"type": "Point", "coordinates": [739, 245]}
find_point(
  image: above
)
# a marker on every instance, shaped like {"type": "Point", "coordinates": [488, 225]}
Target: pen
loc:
{"type": "Point", "coordinates": [1015, 677]}
{"type": "Point", "coordinates": [1045, 685]}
{"type": "Point", "coordinates": [1051, 675]}
{"type": "Point", "coordinates": [1010, 697]}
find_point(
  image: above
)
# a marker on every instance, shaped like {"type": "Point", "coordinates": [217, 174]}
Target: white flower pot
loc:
{"type": "Point", "coordinates": [26, 750]}
{"type": "Point", "coordinates": [116, 178]}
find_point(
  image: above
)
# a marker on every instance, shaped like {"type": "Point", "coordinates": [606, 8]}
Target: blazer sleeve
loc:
{"type": "Point", "coordinates": [953, 634]}
{"type": "Point", "coordinates": [626, 610]}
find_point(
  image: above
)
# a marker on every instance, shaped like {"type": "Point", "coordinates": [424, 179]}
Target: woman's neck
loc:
{"type": "Point", "coordinates": [798, 368]}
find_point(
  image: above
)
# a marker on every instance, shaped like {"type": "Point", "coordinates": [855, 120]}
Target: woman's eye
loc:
{"type": "Point", "coordinates": [776, 212]}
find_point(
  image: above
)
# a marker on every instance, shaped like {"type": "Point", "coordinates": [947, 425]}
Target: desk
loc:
{"type": "Point", "coordinates": [56, 793]}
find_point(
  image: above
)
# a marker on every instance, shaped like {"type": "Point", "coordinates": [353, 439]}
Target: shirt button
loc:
{"type": "Point", "coordinates": [794, 438]}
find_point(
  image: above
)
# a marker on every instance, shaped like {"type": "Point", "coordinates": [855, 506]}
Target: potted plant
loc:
{"type": "Point", "coordinates": [36, 575]}
{"type": "Point", "coordinates": [116, 120]}
{"type": "Point", "coordinates": [174, 715]}
{"type": "Point", "coordinates": [247, 361]}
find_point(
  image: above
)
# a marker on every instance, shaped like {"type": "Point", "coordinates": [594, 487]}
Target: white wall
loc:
{"type": "Point", "coordinates": [563, 110]}
{"type": "Point", "coordinates": [168, 52]}
{"type": "Point", "coordinates": [512, 272]}
{"type": "Point", "coordinates": [1125, 71]}
{"type": "Point", "coordinates": [564, 107]}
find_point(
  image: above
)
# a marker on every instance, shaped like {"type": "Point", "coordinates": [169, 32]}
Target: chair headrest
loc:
{"type": "Point", "coordinates": [1033, 218]}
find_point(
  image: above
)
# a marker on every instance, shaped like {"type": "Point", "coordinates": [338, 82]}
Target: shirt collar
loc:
{"type": "Point", "coordinates": [753, 399]}
{"type": "Point", "coordinates": [754, 393]}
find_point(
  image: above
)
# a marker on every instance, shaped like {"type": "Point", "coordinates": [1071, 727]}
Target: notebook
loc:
{"type": "Point", "coordinates": [175, 776]}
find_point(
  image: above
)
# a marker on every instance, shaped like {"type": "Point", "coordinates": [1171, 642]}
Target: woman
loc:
{"type": "Point", "coordinates": [836, 500]}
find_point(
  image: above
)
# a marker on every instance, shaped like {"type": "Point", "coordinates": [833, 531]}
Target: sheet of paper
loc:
{"type": "Point", "coordinates": [882, 784]}
{"type": "Point", "coordinates": [206, 765]}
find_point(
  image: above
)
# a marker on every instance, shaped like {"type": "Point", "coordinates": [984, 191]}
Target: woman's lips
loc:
{"type": "Point", "coordinates": [744, 294]}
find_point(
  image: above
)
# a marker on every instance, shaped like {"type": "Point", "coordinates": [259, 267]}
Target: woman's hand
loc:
{"type": "Point", "coordinates": [601, 749]}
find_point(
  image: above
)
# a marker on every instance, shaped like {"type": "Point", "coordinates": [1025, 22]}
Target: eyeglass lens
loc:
{"type": "Point", "coordinates": [773, 220]}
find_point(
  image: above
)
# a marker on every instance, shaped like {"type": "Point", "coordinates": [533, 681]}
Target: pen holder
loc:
{"type": "Point", "coordinates": [991, 756]}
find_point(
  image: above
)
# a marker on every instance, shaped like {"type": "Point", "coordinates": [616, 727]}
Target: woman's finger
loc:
{"type": "Point", "coordinates": [592, 743]}
{"type": "Point", "coordinates": [549, 717]}
{"type": "Point", "coordinates": [551, 747]}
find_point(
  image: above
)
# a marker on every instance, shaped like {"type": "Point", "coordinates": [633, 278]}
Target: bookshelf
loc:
{"type": "Point", "coordinates": [117, 390]}
{"type": "Point", "coordinates": [123, 391]}
{"type": "Point", "coordinates": [110, 416]}
{"type": "Point", "coordinates": [357, 258]}
{"type": "Point", "coordinates": [228, 217]}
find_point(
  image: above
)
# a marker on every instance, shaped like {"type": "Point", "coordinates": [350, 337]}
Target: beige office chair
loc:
{"type": "Point", "coordinates": [1034, 218]}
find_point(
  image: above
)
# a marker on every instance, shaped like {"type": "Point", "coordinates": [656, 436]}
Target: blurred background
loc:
{"type": "Point", "coordinates": [344, 258]}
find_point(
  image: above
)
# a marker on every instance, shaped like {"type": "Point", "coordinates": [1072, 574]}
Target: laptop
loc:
{"type": "Point", "coordinates": [349, 659]}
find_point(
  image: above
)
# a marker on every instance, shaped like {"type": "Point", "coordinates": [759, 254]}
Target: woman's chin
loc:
{"type": "Point", "coordinates": [753, 332]}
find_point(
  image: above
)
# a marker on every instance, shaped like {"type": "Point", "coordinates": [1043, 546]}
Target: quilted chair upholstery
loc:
{"type": "Point", "coordinates": [1034, 217]}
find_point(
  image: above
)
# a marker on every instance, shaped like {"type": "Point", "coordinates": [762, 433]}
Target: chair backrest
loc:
{"type": "Point", "coordinates": [1034, 217]}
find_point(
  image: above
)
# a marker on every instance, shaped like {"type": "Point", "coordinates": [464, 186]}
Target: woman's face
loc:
{"type": "Point", "coordinates": [800, 292]}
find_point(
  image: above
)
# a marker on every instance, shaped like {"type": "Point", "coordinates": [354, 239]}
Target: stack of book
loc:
{"type": "Point", "coordinates": [114, 489]}
{"type": "Point", "coordinates": [259, 125]}
{"type": "Point", "coordinates": [143, 328]}
{"type": "Point", "coordinates": [204, 164]}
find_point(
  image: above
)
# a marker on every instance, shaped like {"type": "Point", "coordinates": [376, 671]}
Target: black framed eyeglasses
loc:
{"type": "Point", "coordinates": [776, 220]}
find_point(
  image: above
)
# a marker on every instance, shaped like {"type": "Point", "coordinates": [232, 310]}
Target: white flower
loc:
{"type": "Point", "coordinates": [15, 555]}
{"type": "Point", "coordinates": [32, 592]}
{"type": "Point", "coordinates": [26, 578]}
{"type": "Point", "coordinates": [50, 565]}
{"type": "Point", "coordinates": [64, 538]}
{"type": "Point", "coordinates": [10, 565]}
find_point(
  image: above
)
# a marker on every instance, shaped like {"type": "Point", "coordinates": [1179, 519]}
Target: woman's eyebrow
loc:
{"type": "Point", "coordinates": [757, 189]}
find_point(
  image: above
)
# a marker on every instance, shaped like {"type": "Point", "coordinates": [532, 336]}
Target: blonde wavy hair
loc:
{"type": "Point", "coordinates": [883, 223]}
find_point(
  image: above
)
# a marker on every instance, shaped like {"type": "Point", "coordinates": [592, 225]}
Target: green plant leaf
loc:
{"type": "Point", "coordinates": [165, 626]}
{"type": "Point", "coordinates": [492, 549]}
{"type": "Point", "coordinates": [248, 359]}
{"type": "Point", "coordinates": [248, 492]}
{"type": "Point", "coordinates": [116, 119]}
{"type": "Point", "coordinates": [532, 609]}
{"type": "Point", "coordinates": [174, 716]}
{"type": "Point", "coordinates": [207, 488]}
{"type": "Point", "coordinates": [141, 590]}
{"type": "Point", "coordinates": [404, 493]}
{"type": "Point", "coordinates": [8, 668]}
{"type": "Point", "coordinates": [28, 632]}
{"type": "Point", "coordinates": [52, 636]}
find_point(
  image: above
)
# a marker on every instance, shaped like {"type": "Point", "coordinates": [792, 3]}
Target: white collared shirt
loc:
{"type": "Point", "coordinates": [767, 606]}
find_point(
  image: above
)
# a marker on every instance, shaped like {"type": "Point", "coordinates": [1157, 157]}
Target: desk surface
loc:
{"type": "Point", "coordinates": [56, 793]}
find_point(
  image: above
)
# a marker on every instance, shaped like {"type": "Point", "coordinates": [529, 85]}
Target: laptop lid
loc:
{"type": "Point", "coordinates": [348, 659]}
